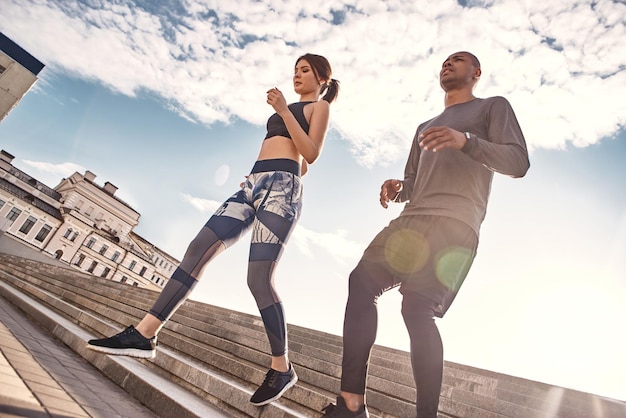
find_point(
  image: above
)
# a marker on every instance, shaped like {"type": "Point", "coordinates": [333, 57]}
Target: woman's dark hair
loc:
{"type": "Point", "coordinates": [321, 69]}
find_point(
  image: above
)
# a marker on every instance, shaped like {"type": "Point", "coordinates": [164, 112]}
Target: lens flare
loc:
{"type": "Point", "coordinates": [406, 251]}
{"type": "Point", "coordinates": [222, 174]}
{"type": "Point", "coordinates": [453, 265]}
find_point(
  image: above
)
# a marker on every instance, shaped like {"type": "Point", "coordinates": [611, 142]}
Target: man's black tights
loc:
{"type": "Point", "coordinates": [359, 335]}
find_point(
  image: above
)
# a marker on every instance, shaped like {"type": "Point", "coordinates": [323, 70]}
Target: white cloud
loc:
{"type": "Point", "coordinates": [334, 244]}
{"type": "Point", "coordinates": [203, 205]}
{"type": "Point", "coordinates": [562, 65]}
{"type": "Point", "coordinates": [53, 171]}
{"type": "Point", "coordinates": [51, 174]}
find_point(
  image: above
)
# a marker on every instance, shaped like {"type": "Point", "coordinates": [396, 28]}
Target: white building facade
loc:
{"type": "Point", "coordinates": [82, 224]}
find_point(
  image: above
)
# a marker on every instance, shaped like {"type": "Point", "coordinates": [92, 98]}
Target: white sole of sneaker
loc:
{"type": "Point", "coordinates": [287, 386]}
{"type": "Point", "coordinates": [129, 352]}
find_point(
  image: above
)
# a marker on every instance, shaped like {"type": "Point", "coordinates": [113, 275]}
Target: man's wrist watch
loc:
{"type": "Point", "coordinates": [468, 136]}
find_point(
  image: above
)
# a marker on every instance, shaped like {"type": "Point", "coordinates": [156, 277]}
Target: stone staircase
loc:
{"type": "Point", "coordinates": [214, 356]}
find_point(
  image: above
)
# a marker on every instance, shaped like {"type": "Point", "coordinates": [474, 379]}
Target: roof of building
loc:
{"type": "Point", "coordinates": [20, 55]}
{"type": "Point", "coordinates": [28, 197]}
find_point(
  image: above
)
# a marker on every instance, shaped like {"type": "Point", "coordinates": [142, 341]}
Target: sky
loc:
{"type": "Point", "coordinates": [166, 100]}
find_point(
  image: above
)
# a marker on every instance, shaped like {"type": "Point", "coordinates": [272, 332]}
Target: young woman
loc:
{"type": "Point", "coordinates": [269, 204]}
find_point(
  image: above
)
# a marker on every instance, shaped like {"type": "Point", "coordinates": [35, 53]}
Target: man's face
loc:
{"type": "Point", "coordinates": [457, 71]}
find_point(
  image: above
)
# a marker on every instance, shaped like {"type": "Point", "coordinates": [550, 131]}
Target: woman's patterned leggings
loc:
{"type": "Point", "coordinates": [269, 204]}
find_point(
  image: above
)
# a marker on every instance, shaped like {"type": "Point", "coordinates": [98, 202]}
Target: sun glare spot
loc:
{"type": "Point", "coordinates": [221, 174]}
{"type": "Point", "coordinates": [554, 399]}
{"type": "Point", "coordinates": [406, 251]}
{"type": "Point", "coordinates": [453, 265]}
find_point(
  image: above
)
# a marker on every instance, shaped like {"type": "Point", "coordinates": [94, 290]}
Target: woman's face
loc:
{"type": "Point", "coordinates": [304, 79]}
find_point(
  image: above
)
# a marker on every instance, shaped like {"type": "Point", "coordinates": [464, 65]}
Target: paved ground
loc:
{"type": "Point", "coordinates": [40, 377]}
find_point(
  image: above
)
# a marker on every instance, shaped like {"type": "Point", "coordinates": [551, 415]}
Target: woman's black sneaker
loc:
{"type": "Point", "coordinates": [127, 343]}
{"type": "Point", "coordinates": [274, 385]}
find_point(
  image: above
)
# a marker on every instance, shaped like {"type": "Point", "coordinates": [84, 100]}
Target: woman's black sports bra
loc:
{"type": "Point", "coordinates": [276, 125]}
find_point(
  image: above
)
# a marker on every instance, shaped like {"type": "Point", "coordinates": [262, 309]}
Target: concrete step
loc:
{"type": "Point", "coordinates": [183, 353]}
{"type": "Point", "coordinates": [221, 355]}
{"type": "Point", "coordinates": [229, 392]}
{"type": "Point", "coordinates": [160, 395]}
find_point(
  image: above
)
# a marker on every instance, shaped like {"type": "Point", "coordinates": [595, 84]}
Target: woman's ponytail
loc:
{"type": "Point", "coordinates": [332, 90]}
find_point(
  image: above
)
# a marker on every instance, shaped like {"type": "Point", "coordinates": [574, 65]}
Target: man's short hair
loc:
{"type": "Point", "coordinates": [475, 61]}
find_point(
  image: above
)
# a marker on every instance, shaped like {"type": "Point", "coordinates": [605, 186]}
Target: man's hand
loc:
{"type": "Point", "coordinates": [389, 191]}
{"type": "Point", "coordinates": [437, 138]}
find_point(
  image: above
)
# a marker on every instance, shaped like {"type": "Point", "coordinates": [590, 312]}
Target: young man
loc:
{"type": "Point", "coordinates": [429, 248]}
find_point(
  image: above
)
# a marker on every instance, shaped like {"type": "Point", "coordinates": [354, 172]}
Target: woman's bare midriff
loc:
{"type": "Point", "coordinates": [279, 147]}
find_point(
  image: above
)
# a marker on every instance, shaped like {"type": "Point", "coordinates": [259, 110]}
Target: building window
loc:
{"type": "Point", "coordinates": [135, 284]}
{"type": "Point", "coordinates": [124, 279]}
{"type": "Point", "coordinates": [74, 236]}
{"type": "Point", "coordinates": [67, 233]}
{"type": "Point", "coordinates": [143, 271]}
{"type": "Point", "coordinates": [2, 202]}
{"type": "Point", "coordinates": [92, 267]}
{"type": "Point", "coordinates": [91, 242]}
{"type": "Point", "coordinates": [105, 272]}
{"type": "Point", "coordinates": [132, 265]}
{"type": "Point", "coordinates": [116, 255]}
{"type": "Point", "coordinates": [13, 214]}
{"type": "Point", "coordinates": [79, 261]}
{"type": "Point", "coordinates": [2, 70]}
{"type": "Point", "coordinates": [104, 249]}
{"type": "Point", "coordinates": [28, 225]}
{"type": "Point", "coordinates": [43, 233]}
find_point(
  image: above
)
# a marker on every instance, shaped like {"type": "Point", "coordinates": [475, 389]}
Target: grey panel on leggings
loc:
{"type": "Point", "coordinates": [173, 295]}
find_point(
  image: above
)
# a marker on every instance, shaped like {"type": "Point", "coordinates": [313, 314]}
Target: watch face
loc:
{"type": "Point", "coordinates": [467, 135]}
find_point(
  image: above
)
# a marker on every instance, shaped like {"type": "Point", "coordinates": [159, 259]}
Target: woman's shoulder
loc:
{"type": "Point", "coordinates": [319, 110]}
{"type": "Point", "coordinates": [321, 104]}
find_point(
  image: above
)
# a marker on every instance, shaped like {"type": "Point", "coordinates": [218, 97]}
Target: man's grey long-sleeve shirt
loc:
{"type": "Point", "coordinates": [457, 183]}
